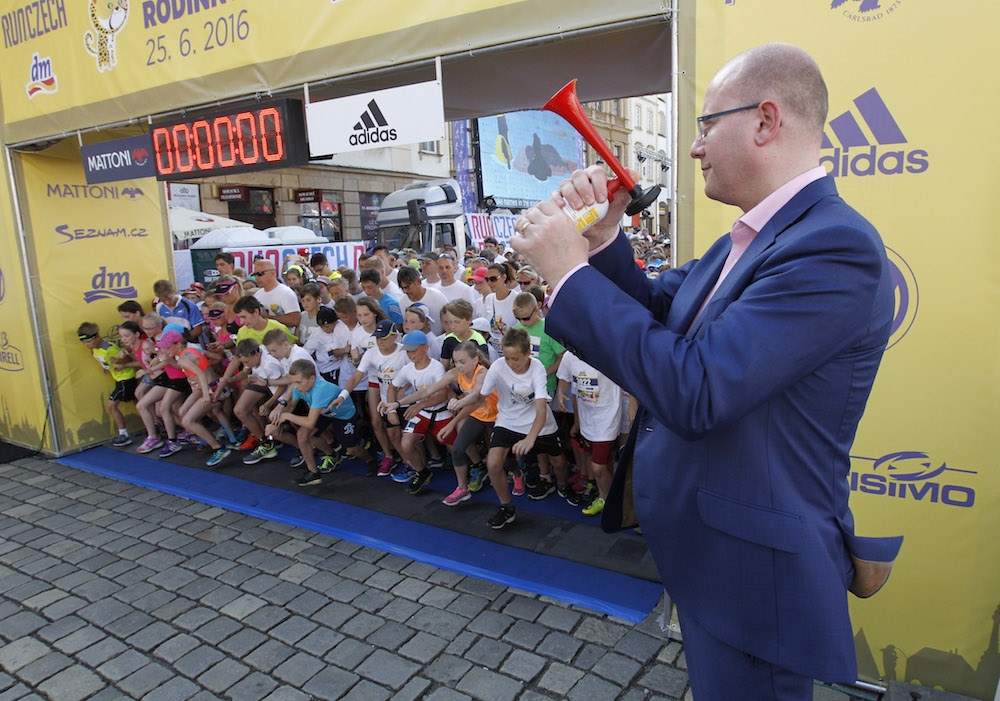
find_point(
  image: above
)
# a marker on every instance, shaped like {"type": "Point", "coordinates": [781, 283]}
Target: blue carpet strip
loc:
{"type": "Point", "coordinates": [618, 595]}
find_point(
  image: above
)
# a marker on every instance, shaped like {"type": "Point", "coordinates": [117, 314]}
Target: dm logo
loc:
{"type": "Point", "coordinates": [880, 148]}
{"type": "Point", "coordinates": [41, 77]}
{"type": "Point", "coordinates": [106, 285]}
{"type": "Point", "coordinates": [11, 359]}
{"type": "Point", "coordinates": [912, 475]}
{"type": "Point", "coordinates": [904, 289]}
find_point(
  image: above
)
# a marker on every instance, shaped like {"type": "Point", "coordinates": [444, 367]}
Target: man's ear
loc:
{"type": "Point", "coordinates": [769, 120]}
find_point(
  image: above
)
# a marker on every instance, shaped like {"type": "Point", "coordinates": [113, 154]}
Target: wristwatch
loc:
{"type": "Point", "coordinates": [283, 402]}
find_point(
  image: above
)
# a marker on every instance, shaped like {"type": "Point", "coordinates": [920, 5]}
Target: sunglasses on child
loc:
{"type": "Point", "coordinates": [223, 288]}
{"type": "Point", "coordinates": [215, 313]}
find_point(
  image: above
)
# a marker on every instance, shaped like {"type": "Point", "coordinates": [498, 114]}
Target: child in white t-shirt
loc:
{"type": "Point", "coordinates": [524, 420]}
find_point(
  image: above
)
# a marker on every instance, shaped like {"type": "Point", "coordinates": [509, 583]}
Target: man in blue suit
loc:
{"type": "Point", "coordinates": [752, 367]}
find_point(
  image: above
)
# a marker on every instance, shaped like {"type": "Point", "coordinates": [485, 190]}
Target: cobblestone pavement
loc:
{"type": "Point", "coordinates": [111, 591]}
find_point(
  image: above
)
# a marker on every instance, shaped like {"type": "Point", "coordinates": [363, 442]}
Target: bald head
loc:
{"type": "Point", "coordinates": [785, 73]}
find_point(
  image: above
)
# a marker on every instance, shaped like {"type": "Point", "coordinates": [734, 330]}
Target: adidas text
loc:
{"type": "Point", "coordinates": [372, 136]}
{"type": "Point", "coordinates": [871, 162]}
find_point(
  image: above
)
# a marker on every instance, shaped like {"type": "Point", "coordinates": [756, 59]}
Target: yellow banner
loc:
{"type": "Point", "coordinates": [94, 246]}
{"type": "Point", "coordinates": [22, 397]}
{"type": "Point", "coordinates": [911, 141]}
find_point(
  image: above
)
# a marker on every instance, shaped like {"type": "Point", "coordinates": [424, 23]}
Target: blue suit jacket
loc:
{"type": "Point", "coordinates": [742, 443]}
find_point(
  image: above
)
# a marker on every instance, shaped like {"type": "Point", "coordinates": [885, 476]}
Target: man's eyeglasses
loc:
{"type": "Point", "coordinates": [703, 130]}
{"type": "Point", "coordinates": [492, 278]}
{"type": "Point", "coordinates": [446, 255]}
{"type": "Point", "coordinates": [262, 272]}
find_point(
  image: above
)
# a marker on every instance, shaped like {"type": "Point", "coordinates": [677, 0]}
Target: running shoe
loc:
{"type": "Point", "coordinates": [385, 467]}
{"type": "Point", "coordinates": [435, 463]}
{"type": "Point", "coordinates": [122, 440]}
{"type": "Point", "coordinates": [249, 443]}
{"type": "Point", "coordinates": [310, 479]}
{"type": "Point", "coordinates": [596, 507]}
{"type": "Point", "coordinates": [242, 435]}
{"type": "Point", "coordinates": [542, 489]}
{"type": "Point", "coordinates": [402, 473]}
{"type": "Point", "coordinates": [570, 496]}
{"type": "Point", "coordinates": [169, 448]}
{"type": "Point", "coordinates": [298, 461]}
{"type": "Point", "coordinates": [265, 451]}
{"type": "Point", "coordinates": [457, 497]}
{"type": "Point", "coordinates": [519, 488]}
{"type": "Point", "coordinates": [419, 480]}
{"type": "Point", "coordinates": [149, 445]}
{"type": "Point", "coordinates": [218, 456]}
{"type": "Point", "coordinates": [476, 475]}
{"type": "Point", "coordinates": [503, 517]}
{"type": "Point", "coordinates": [329, 463]}
{"type": "Point", "coordinates": [187, 437]}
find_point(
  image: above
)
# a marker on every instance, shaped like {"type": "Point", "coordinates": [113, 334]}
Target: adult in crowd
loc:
{"type": "Point", "coordinates": [752, 367]}
{"type": "Point", "coordinates": [279, 301]}
{"type": "Point", "coordinates": [414, 292]}
{"type": "Point", "coordinates": [429, 269]}
{"type": "Point", "coordinates": [451, 287]}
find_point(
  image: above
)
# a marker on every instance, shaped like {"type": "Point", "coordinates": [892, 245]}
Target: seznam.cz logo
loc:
{"type": "Point", "coordinates": [878, 148]}
{"type": "Point", "coordinates": [913, 476]}
{"type": "Point", "coordinates": [106, 285]}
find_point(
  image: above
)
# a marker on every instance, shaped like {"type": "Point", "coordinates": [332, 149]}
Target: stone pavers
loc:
{"type": "Point", "coordinates": [109, 591]}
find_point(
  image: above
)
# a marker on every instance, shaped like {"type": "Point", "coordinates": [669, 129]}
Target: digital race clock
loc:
{"type": "Point", "coordinates": [242, 138]}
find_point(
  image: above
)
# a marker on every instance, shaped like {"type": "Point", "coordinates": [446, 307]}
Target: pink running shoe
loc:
{"type": "Point", "coordinates": [457, 497]}
{"type": "Point", "coordinates": [518, 489]}
{"type": "Point", "coordinates": [149, 445]}
{"type": "Point", "coordinates": [385, 467]}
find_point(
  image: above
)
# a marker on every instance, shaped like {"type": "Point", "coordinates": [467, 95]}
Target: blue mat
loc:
{"type": "Point", "coordinates": [601, 590]}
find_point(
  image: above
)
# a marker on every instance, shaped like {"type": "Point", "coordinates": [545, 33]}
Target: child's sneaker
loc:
{"type": "Point", "coordinates": [402, 473]}
{"type": "Point", "coordinates": [298, 461]}
{"type": "Point", "coordinates": [122, 440]}
{"type": "Point", "coordinates": [519, 488]}
{"type": "Point", "coordinates": [264, 451]}
{"type": "Point", "coordinates": [242, 435]}
{"type": "Point", "coordinates": [569, 495]}
{"type": "Point", "coordinates": [419, 480]}
{"type": "Point", "coordinates": [542, 489]}
{"type": "Point", "coordinates": [435, 463]}
{"type": "Point", "coordinates": [310, 479]}
{"type": "Point", "coordinates": [149, 445]}
{"type": "Point", "coordinates": [249, 443]}
{"type": "Point", "coordinates": [218, 456]}
{"type": "Point", "coordinates": [596, 507]}
{"type": "Point", "coordinates": [457, 497]}
{"type": "Point", "coordinates": [503, 517]}
{"type": "Point", "coordinates": [385, 467]}
{"type": "Point", "coordinates": [169, 448]}
{"type": "Point", "coordinates": [329, 463]}
{"type": "Point", "coordinates": [476, 475]}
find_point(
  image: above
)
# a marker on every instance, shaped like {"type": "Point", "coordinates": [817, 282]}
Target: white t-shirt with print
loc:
{"type": "Point", "coordinates": [500, 314]}
{"type": "Point", "coordinates": [383, 367]}
{"type": "Point", "coordinates": [516, 395]}
{"type": "Point", "coordinates": [422, 379]}
{"type": "Point", "coordinates": [598, 399]}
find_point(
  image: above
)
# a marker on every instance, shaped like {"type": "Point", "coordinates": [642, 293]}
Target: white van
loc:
{"type": "Point", "coordinates": [424, 215]}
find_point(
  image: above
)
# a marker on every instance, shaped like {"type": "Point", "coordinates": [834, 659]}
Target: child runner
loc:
{"type": "Point", "coordinates": [423, 416]}
{"type": "Point", "coordinates": [473, 421]}
{"type": "Point", "coordinates": [311, 299]}
{"type": "Point", "coordinates": [597, 420]}
{"type": "Point", "coordinates": [456, 318]}
{"type": "Point", "coordinates": [524, 420]}
{"type": "Point", "coordinates": [172, 386]}
{"type": "Point", "coordinates": [105, 352]}
{"type": "Point", "coordinates": [326, 345]}
{"type": "Point", "coordinates": [318, 394]}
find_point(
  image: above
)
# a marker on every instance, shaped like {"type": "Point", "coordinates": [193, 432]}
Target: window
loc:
{"type": "Point", "coordinates": [430, 147]}
{"type": "Point", "coordinates": [616, 108]}
{"type": "Point", "coordinates": [649, 121]}
{"type": "Point", "coordinates": [638, 117]}
{"type": "Point", "coordinates": [324, 217]}
{"type": "Point", "coordinates": [618, 152]}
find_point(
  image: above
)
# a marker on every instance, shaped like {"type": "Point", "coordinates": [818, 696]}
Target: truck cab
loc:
{"type": "Point", "coordinates": [424, 215]}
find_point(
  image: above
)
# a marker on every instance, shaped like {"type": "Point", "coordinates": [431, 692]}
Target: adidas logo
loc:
{"type": "Point", "coordinates": [371, 127]}
{"type": "Point", "coordinates": [874, 153]}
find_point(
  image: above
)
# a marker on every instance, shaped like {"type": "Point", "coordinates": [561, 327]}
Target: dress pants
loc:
{"type": "Point", "coordinates": [719, 672]}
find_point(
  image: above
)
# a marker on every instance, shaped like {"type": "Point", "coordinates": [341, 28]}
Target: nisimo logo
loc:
{"type": "Point", "coordinates": [371, 128]}
{"type": "Point", "coordinates": [870, 158]}
{"type": "Point", "coordinates": [911, 475]}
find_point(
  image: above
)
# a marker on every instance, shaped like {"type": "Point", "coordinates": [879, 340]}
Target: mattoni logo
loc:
{"type": "Point", "coordinates": [865, 10]}
{"type": "Point", "coordinates": [875, 154]}
{"type": "Point", "coordinates": [132, 192]}
{"type": "Point", "coordinates": [106, 285]}
{"type": "Point", "coordinates": [911, 475]}
{"type": "Point", "coordinates": [41, 78]}
{"type": "Point", "coordinates": [371, 127]}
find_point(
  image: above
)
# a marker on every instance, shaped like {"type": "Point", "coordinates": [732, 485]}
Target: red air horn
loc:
{"type": "Point", "coordinates": [566, 104]}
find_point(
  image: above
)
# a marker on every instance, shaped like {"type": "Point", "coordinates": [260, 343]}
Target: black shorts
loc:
{"type": "Point", "coordinates": [389, 424]}
{"type": "Point", "coordinates": [505, 438]}
{"type": "Point", "coordinates": [345, 431]}
{"type": "Point", "coordinates": [124, 390]}
{"type": "Point", "coordinates": [178, 384]}
{"type": "Point", "coordinates": [262, 389]}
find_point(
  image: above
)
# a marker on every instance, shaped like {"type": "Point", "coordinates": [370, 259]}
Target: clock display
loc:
{"type": "Point", "coordinates": [240, 139]}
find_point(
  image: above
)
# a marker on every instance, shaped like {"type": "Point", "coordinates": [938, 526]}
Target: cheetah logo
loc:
{"type": "Point", "coordinates": [100, 42]}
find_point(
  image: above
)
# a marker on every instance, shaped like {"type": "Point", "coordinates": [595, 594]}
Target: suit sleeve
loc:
{"type": "Point", "coordinates": [810, 296]}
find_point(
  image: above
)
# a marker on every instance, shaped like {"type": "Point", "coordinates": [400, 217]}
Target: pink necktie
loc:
{"type": "Point", "coordinates": [741, 235]}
